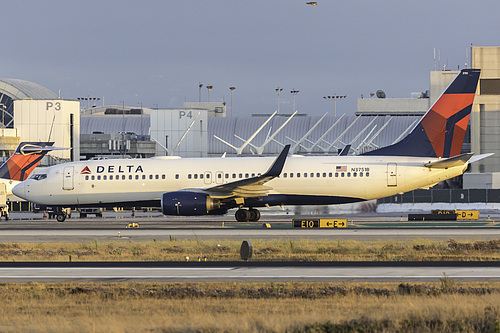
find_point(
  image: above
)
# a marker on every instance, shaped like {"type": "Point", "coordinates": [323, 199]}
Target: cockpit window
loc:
{"type": "Point", "coordinates": [39, 176]}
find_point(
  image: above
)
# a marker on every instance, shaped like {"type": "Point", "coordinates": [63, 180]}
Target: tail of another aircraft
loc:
{"type": "Point", "coordinates": [26, 157]}
{"type": "Point", "coordinates": [441, 131]}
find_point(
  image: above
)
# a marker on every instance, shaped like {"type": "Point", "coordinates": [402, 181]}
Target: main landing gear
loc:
{"type": "Point", "coordinates": [247, 215]}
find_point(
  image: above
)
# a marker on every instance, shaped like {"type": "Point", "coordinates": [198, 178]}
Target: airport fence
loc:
{"type": "Point", "coordinates": [445, 196]}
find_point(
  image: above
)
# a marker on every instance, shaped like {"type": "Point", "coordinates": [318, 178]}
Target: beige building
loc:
{"type": "Point", "coordinates": [485, 117]}
{"type": "Point", "coordinates": [50, 120]}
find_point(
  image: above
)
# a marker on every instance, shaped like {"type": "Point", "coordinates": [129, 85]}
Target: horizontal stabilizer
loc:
{"type": "Point", "coordinates": [476, 158]}
{"type": "Point", "coordinates": [450, 162]}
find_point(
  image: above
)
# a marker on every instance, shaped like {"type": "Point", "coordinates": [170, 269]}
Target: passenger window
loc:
{"type": "Point", "coordinates": [318, 175]}
{"type": "Point", "coordinates": [348, 174]}
{"type": "Point", "coordinates": [157, 177]}
{"type": "Point", "coordinates": [253, 174]}
{"type": "Point", "coordinates": [284, 175]}
{"type": "Point", "coordinates": [111, 177]}
{"type": "Point", "coordinates": [98, 177]}
{"type": "Point", "coordinates": [123, 177]}
{"type": "Point", "coordinates": [367, 174]}
{"type": "Point", "coordinates": [143, 176]}
{"type": "Point", "coordinates": [361, 174]}
{"type": "Point", "coordinates": [246, 175]}
{"type": "Point", "coordinates": [177, 176]}
{"type": "Point", "coordinates": [162, 176]}
{"type": "Point", "coordinates": [195, 176]}
{"type": "Point", "coordinates": [208, 176]}
{"type": "Point", "coordinates": [312, 175]}
{"type": "Point", "coordinates": [330, 175]}
{"type": "Point", "coordinates": [189, 176]}
{"type": "Point", "coordinates": [305, 174]}
{"type": "Point", "coordinates": [219, 176]}
{"type": "Point", "coordinates": [342, 174]}
{"type": "Point", "coordinates": [150, 176]}
{"type": "Point", "coordinates": [355, 174]}
{"type": "Point", "coordinates": [241, 175]}
{"type": "Point", "coordinates": [87, 177]}
{"type": "Point", "coordinates": [234, 175]}
{"type": "Point", "coordinates": [136, 177]}
{"type": "Point", "coordinates": [227, 175]}
{"type": "Point", "coordinates": [336, 174]}
{"type": "Point", "coordinates": [130, 177]}
{"type": "Point", "coordinates": [201, 176]}
{"type": "Point", "coordinates": [298, 174]}
{"type": "Point", "coordinates": [104, 177]}
{"type": "Point", "coordinates": [93, 177]}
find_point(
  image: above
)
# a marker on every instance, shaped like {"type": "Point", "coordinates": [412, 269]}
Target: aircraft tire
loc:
{"type": "Point", "coordinates": [61, 217]}
{"type": "Point", "coordinates": [253, 215]}
{"type": "Point", "coordinates": [242, 215]}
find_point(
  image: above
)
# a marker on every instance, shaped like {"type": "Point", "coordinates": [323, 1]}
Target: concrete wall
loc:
{"type": "Point", "coordinates": [169, 125]}
{"type": "Point", "coordinates": [481, 180]}
{"type": "Point", "coordinates": [378, 106]}
{"type": "Point", "coordinates": [54, 120]}
{"type": "Point", "coordinates": [215, 109]}
{"type": "Point", "coordinates": [440, 80]}
{"type": "Point", "coordinates": [485, 117]}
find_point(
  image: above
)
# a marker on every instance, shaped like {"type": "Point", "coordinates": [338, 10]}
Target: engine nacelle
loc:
{"type": "Point", "coordinates": [185, 203]}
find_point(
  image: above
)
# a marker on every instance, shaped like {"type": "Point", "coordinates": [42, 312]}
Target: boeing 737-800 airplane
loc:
{"type": "Point", "coordinates": [201, 186]}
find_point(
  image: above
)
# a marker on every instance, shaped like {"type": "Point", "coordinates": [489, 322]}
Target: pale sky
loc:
{"type": "Point", "coordinates": [157, 52]}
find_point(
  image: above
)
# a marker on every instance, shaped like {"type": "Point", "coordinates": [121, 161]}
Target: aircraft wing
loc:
{"type": "Point", "coordinates": [251, 187]}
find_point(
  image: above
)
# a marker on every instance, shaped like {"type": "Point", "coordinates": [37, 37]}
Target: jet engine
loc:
{"type": "Point", "coordinates": [186, 203]}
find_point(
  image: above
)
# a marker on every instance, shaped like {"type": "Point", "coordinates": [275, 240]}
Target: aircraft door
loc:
{"type": "Point", "coordinates": [208, 177]}
{"type": "Point", "coordinates": [392, 175]}
{"type": "Point", "coordinates": [68, 178]}
{"type": "Point", "coordinates": [219, 177]}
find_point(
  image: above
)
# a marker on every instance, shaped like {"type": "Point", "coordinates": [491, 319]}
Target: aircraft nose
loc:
{"type": "Point", "coordinates": [20, 190]}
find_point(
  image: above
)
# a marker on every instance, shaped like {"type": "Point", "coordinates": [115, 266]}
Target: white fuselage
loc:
{"type": "Point", "coordinates": [141, 180]}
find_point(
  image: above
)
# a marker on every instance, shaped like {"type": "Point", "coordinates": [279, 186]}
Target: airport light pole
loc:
{"type": "Point", "coordinates": [232, 88]}
{"type": "Point", "coordinates": [294, 93]}
{"type": "Point", "coordinates": [335, 98]}
{"type": "Point", "coordinates": [209, 87]}
{"type": "Point", "coordinates": [199, 92]}
{"type": "Point", "coordinates": [141, 118]}
{"type": "Point", "coordinates": [278, 90]}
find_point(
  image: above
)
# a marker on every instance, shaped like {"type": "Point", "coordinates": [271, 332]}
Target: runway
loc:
{"type": "Point", "coordinates": [159, 228]}
{"type": "Point", "coordinates": [250, 272]}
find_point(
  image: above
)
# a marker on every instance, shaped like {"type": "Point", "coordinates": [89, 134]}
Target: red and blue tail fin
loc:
{"type": "Point", "coordinates": [441, 131]}
{"type": "Point", "coordinates": [24, 160]}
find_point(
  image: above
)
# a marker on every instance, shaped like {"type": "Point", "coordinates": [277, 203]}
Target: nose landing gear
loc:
{"type": "Point", "coordinates": [244, 215]}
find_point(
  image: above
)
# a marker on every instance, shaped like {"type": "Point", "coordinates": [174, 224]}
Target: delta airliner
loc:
{"type": "Point", "coordinates": [429, 154]}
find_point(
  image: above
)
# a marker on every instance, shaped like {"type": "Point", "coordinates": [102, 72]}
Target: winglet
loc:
{"type": "Point", "coordinates": [279, 163]}
{"type": "Point", "coordinates": [345, 150]}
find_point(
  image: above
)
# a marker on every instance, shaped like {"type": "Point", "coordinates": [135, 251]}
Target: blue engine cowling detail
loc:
{"type": "Point", "coordinates": [185, 203]}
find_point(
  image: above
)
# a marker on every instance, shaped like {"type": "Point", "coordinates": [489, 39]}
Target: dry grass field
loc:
{"type": "Point", "coordinates": [288, 250]}
{"type": "Point", "coordinates": [246, 307]}
{"type": "Point", "coordinates": [251, 307]}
